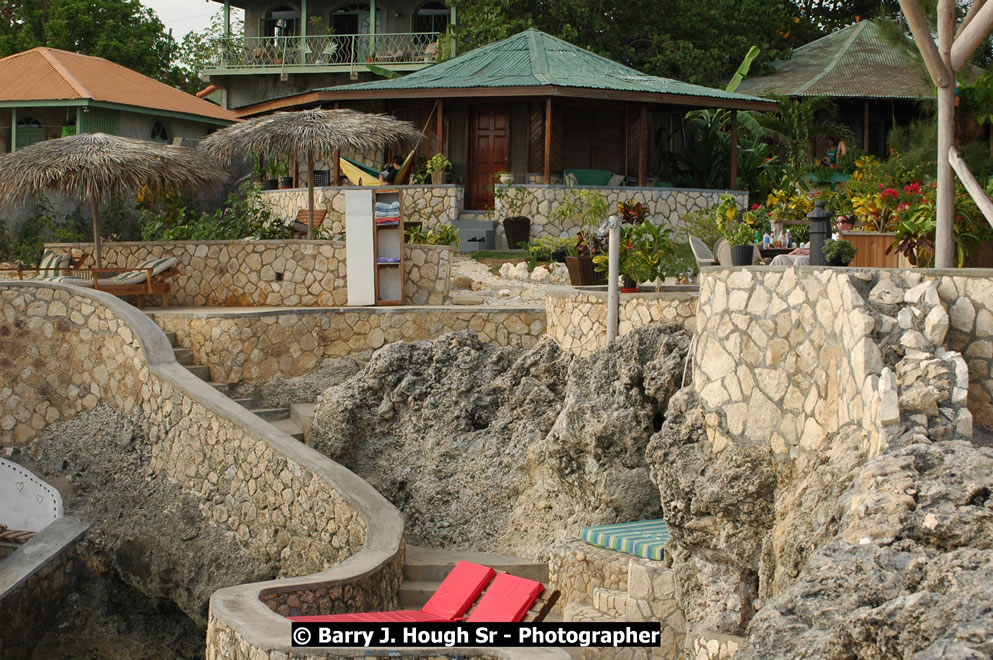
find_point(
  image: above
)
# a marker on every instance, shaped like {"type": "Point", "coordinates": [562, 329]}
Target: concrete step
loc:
{"type": "Point", "coordinates": [272, 414]}
{"type": "Point", "coordinates": [171, 336]}
{"type": "Point", "coordinates": [581, 612]}
{"type": "Point", "coordinates": [302, 415]}
{"type": "Point", "coordinates": [431, 565]}
{"type": "Point", "coordinates": [184, 356]}
{"type": "Point", "coordinates": [247, 403]}
{"type": "Point", "coordinates": [201, 371]}
{"type": "Point", "coordinates": [289, 428]}
{"type": "Point", "coordinates": [413, 595]}
{"type": "Point", "coordinates": [610, 601]}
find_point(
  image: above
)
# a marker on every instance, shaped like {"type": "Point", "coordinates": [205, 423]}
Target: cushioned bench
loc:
{"type": "Point", "coordinates": [645, 538]}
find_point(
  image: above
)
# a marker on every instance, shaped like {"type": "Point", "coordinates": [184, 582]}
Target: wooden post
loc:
{"type": "Point", "coordinates": [310, 192]}
{"type": "Point", "coordinates": [971, 185]}
{"type": "Point", "coordinates": [335, 164]}
{"type": "Point", "coordinates": [944, 248]}
{"type": "Point", "coordinates": [548, 140]}
{"type": "Point", "coordinates": [642, 143]}
{"type": "Point", "coordinates": [13, 130]}
{"type": "Point", "coordinates": [95, 208]}
{"type": "Point", "coordinates": [734, 150]}
{"type": "Point", "coordinates": [940, 74]}
{"type": "Point", "coordinates": [865, 127]}
{"type": "Point", "coordinates": [440, 129]}
{"type": "Point", "coordinates": [971, 36]}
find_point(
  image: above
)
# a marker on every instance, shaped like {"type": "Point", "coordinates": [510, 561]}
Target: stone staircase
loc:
{"type": "Point", "coordinates": [600, 585]}
{"type": "Point", "coordinates": [294, 420]}
{"type": "Point", "coordinates": [425, 568]}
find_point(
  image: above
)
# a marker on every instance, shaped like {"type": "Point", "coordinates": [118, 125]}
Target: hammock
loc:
{"type": "Point", "coordinates": [363, 175]}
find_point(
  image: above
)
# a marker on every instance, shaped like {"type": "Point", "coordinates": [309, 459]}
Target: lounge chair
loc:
{"type": "Point", "coordinates": [54, 268]}
{"type": "Point", "coordinates": [509, 600]}
{"type": "Point", "coordinates": [723, 251]}
{"type": "Point", "coordinates": [147, 278]}
{"type": "Point", "coordinates": [301, 226]}
{"type": "Point", "coordinates": [704, 257]}
{"type": "Point", "coordinates": [453, 598]}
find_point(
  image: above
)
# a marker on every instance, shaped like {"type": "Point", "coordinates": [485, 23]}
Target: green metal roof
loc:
{"type": "Point", "coordinates": [535, 59]}
{"type": "Point", "coordinates": [855, 62]}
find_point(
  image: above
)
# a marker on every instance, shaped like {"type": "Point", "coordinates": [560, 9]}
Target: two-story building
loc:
{"type": "Point", "coordinates": [288, 48]}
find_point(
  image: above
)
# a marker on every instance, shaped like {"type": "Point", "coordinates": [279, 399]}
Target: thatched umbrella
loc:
{"type": "Point", "coordinates": [318, 133]}
{"type": "Point", "coordinates": [98, 167]}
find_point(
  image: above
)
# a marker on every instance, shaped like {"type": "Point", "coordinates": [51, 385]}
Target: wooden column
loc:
{"type": "Point", "coordinates": [865, 127]}
{"type": "Point", "coordinates": [642, 143]}
{"type": "Point", "coordinates": [13, 130]}
{"type": "Point", "coordinates": [944, 243]}
{"type": "Point", "coordinates": [734, 150]}
{"type": "Point", "coordinates": [440, 129]}
{"type": "Point", "coordinates": [548, 140]}
{"type": "Point", "coordinates": [335, 164]}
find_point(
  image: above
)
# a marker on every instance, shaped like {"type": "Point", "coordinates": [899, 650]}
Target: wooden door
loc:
{"type": "Point", "coordinates": [489, 153]}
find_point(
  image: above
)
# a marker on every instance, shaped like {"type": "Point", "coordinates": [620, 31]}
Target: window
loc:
{"type": "Point", "coordinates": [431, 17]}
{"type": "Point", "coordinates": [159, 132]}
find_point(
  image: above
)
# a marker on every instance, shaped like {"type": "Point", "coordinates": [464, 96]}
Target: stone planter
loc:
{"type": "Point", "coordinates": [581, 272]}
{"type": "Point", "coordinates": [506, 179]}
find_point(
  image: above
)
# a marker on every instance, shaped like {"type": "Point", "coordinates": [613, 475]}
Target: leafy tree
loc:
{"type": "Point", "coordinates": [796, 123]}
{"type": "Point", "coordinates": [198, 50]}
{"type": "Point", "coordinates": [122, 31]}
{"type": "Point", "coordinates": [693, 41]}
{"type": "Point", "coordinates": [830, 15]}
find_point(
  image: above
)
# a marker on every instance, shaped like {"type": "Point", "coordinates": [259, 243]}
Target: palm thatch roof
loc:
{"type": "Point", "coordinates": [316, 132]}
{"type": "Point", "coordinates": [99, 166]}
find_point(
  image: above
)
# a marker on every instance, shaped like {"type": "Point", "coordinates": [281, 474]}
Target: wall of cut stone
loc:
{"type": "Point", "coordinates": [577, 319]}
{"type": "Point", "coordinates": [286, 273]}
{"type": "Point", "coordinates": [786, 356]}
{"type": "Point", "coordinates": [35, 581]}
{"type": "Point", "coordinates": [69, 351]}
{"type": "Point", "coordinates": [253, 347]}
{"type": "Point", "coordinates": [429, 205]}
{"type": "Point", "coordinates": [714, 646]}
{"type": "Point", "coordinates": [666, 206]}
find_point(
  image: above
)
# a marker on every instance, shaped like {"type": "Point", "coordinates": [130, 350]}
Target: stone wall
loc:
{"type": "Point", "coordinates": [284, 273]}
{"type": "Point", "coordinates": [253, 347]}
{"type": "Point", "coordinates": [34, 581]}
{"type": "Point", "coordinates": [786, 356]}
{"type": "Point", "coordinates": [577, 319]}
{"type": "Point", "coordinates": [75, 348]}
{"type": "Point", "coordinates": [666, 205]}
{"type": "Point", "coordinates": [430, 205]}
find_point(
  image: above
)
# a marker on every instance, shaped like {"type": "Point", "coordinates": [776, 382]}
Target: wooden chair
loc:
{"type": "Point", "coordinates": [301, 227]}
{"type": "Point", "coordinates": [148, 278]}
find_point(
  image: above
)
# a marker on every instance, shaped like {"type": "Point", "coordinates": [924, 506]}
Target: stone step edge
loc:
{"type": "Point", "coordinates": [582, 612]}
{"type": "Point", "coordinates": [612, 602]}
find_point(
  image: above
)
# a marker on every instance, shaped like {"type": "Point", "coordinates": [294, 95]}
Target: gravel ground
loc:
{"type": "Point", "coordinates": [487, 288]}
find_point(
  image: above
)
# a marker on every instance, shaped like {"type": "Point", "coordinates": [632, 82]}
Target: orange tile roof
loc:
{"type": "Point", "coordinates": [48, 74]}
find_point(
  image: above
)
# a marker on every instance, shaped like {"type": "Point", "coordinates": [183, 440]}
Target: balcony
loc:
{"type": "Point", "coordinates": [323, 53]}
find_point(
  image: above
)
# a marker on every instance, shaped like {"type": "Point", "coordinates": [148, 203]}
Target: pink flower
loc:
{"type": "Point", "coordinates": [902, 206]}
{"type": "Point", "coordinates": [754, 206]}
{"type": "Point", "coordinates": [890, 193]}
{"type": "Point", "coordinates": [881, 186]}
{"type": "Point", "coordinates": [914, 188]}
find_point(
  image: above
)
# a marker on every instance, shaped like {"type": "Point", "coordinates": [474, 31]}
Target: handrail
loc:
{"type": "Point", "coordinates": [325, 50]}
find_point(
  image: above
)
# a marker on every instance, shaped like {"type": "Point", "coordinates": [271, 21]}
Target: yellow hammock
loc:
{"type": "Point", "coordinates": [361, 175]}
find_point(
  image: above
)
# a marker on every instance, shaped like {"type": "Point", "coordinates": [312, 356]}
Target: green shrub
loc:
{"type": "Point", "coordinates": [242, 216]}
{"type": "Point", "coordinates": [702, 224]}
{"type": "Point", "coordinates": [838, 253]}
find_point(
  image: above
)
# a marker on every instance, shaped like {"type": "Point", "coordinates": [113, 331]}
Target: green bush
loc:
{"type": "Point", "coordinates": [242, 216]}
{"type": "Point", "coordinates": [702, 224]}
{"type": "Point", "coordinates": [440, 235]}
{"type": "Point", "coordinates": [838, 253]}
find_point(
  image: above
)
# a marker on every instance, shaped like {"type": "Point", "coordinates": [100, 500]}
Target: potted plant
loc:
{"type": "Point", "coordinates": [436, 166]}
{"type": "Point", "coordinates": [738, 232]}
{"type": "Point", "coordinates": [647, 254]}
{"type": "Point", "coordinates": [511, 201]}
{"type": "Point", "coordinates": [838, 252]}
{"type": "Point", "coordinates": [588, 210]}
{"type": "Point", "coordinates": [505, 177]}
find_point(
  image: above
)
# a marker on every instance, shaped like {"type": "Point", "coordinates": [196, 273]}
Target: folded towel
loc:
{"type": "Point", "coordinates": [388, 260]}
{"type": "Point", "coordinates": [387, 206]}
{"type": "Point", "coordinates": [394, 220]}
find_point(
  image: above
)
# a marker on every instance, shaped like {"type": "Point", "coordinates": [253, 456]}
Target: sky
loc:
{"type": "Point", "coordinates": [184, 15]}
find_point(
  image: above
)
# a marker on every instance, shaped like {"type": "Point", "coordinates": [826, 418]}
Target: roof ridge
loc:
{"type": "Point", "coordinates": [860, 27]}
{"type": "Point", "coordinates": [65, 73]}
{"type": "Point", "coordinates": [539, 63]}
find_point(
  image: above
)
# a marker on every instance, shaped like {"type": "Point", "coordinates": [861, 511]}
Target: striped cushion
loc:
{"type": "Point", "coordinates": [52, 264]}
{"type": "Point", "coordinates": [138, 275]}
{"type": "Point", "coordinates": [645, 538]}
{"type": "Point", "coordinates": [66, 279]}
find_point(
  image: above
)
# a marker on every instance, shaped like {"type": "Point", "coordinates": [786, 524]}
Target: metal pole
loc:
{"type": "Point", "coordinates": [613, 297]}
{"type": "Point", "coordinates": [13, 130]}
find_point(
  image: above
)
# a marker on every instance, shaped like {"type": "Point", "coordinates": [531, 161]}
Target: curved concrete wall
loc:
{"type": "Point", "coordinates": [69, 349]}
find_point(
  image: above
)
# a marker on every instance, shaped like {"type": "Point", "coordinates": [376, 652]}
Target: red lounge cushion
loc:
{"type": "Point", "coordinates": [396, 616]}
{"type": "Point", "coordinates": [507, 600]}
{"type": "Point", "coordinates": [459, 590]}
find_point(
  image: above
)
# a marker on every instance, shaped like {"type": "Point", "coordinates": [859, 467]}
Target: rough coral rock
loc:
{"type": "Point", "coordinates": [491, 448]}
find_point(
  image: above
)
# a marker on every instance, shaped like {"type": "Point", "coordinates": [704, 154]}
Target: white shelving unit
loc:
{"type": "Point", "coordinates": [359, 247]}
{"type": "Point", "coordinates": [388, 246]}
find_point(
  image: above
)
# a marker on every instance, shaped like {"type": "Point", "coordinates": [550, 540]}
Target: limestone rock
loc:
{"type": "Point", "coordinates": [463, 282]}
{"type": "Point", "coordinates": [936, 325]}
{"type": "Point", "coordinates": [540, 274]}
{"type": "Point", "coordinates": [887, 292]}
{"type": "Point", "coordinates": [504, 449]}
